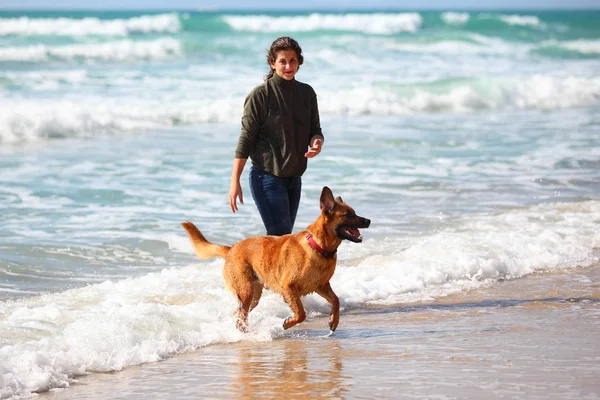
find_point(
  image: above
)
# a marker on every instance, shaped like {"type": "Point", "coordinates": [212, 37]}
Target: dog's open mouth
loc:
{"type": "Point", "coordinates": [352, 234]}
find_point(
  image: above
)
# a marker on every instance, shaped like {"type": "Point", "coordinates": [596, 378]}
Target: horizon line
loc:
{"type": "Point", "coordinates": [275, 9]}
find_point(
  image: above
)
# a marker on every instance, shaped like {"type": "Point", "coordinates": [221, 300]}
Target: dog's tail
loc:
{"type": "Point", "coordinates": [203, 248]}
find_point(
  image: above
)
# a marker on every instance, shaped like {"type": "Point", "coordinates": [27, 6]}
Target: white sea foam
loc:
{"type": "Point", "coordinates": [583, 46]}
{"type": "Point", "coordinates": [522, 20]}
{"type": "Point", "coordinates": [113, 325]}
{"type": "Point", "coordinates": [484, 46]}
{"type": "Point", "coordinates": [455, 18]}
{"type": "Point", "coordinates": [27, 26]}
{"type": "Point", "coordinates": [376, 23]}
{"type": "Point", "coordinates": [545, 92]}
{"type": "Point", "coordinates": [31, 120]}
{"type": "Point", "coordinates": [537, 92]}
{"type": "Point", "coordinates": [123, 50]}
{"type": "Point", "coordinates": [46, 79]}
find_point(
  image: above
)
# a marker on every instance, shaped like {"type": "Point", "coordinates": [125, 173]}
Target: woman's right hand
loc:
{"type": "Point", "coordinates": [235, 192]}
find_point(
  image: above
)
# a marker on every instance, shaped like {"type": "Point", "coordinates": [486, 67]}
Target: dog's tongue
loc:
{"type": "Point", "coordinates": [354, 232]}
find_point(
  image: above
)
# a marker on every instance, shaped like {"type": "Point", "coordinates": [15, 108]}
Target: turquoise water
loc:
{"type": "Point", "coordinates": [470, 139]}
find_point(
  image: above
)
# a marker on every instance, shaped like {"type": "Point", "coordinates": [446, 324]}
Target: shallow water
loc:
{"type": "Point", "coordinates": [531, 338]}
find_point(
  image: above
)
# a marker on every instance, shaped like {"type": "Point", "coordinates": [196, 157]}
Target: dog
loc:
{"type": "Point", "coordinates": [292, 265]}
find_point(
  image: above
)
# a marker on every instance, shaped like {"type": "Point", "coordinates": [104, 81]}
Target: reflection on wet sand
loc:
{"type": "Point", "coordinates": [289, 369]}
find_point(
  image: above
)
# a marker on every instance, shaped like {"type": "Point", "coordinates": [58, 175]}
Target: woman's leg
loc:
{"type": "Point", "coordinates": [294, 192]}
{"type": "Point", "coordinates": [270, 194]}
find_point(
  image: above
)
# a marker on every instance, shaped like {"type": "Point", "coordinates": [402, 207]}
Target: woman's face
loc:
{"type": "Point", "coordinates": [286, 64]}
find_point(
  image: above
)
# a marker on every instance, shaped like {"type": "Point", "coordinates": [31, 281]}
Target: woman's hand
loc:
{"type": "Point", "coordinates": [235, 192]}
{"type": "Point", "coordinates": [315, 147]}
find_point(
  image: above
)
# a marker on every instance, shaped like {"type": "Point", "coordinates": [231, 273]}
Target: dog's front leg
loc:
{"type": "Point", "coordinates": [293, 300]}
{"type": "Point", "coordinates": [327, 293]}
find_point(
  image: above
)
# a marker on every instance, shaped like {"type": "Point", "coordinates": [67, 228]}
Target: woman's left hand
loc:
{"type": "Point", "coordinates": [315, 148]}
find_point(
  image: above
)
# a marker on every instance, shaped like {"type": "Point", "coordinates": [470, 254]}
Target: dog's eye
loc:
{"type": "Point", "coordinates": [349, 214]}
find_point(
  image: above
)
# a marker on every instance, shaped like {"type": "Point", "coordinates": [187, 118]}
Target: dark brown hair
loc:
{"type": "Point", "coordinates": [283, 43]}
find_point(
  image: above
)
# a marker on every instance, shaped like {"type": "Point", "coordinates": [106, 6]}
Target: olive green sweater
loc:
{"type": "Point", "coordinates": [280, 119]}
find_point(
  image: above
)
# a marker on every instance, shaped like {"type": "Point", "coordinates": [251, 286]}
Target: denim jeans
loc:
{"type": "Point", "coordinates": [277, 200]}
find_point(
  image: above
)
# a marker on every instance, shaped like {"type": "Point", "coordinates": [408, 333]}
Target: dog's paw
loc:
{"type": "Point", "coordinates": [286, 323]}
{"type": "Point", "coordinates": [241, 326]}
{"type": "Point", "coordinates": [333, 325]}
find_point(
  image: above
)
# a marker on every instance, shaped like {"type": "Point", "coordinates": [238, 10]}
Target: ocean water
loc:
{"type": "Point", "coordinates": [470, 139]}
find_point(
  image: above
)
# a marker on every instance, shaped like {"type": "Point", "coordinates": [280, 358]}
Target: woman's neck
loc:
{"type": "Point", "coordinates": [278, 80]}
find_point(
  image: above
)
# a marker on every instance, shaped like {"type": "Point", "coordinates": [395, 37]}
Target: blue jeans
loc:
{"type": "Point", "coordinates": [277, 200]}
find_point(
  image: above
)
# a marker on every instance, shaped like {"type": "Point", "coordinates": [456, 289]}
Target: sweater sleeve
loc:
{"type": "Point", "coordinates": [315, 121]}
{"type": "Point", "coordinates": [251, 122]}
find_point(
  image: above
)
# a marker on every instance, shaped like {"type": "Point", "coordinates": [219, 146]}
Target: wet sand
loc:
{"type": "Point", "coordinates": [531, 338]}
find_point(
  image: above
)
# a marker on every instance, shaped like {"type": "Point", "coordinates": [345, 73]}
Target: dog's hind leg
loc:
{"type": "Point", "coordinates": [248, 295]}
{"type": "Point", "coordinates": [327, 293]}
{"type": "Point", "coordinates": [245, 297]}
{"type": "Point", "coordinates": [239, 279]}
{"type": "Point", "coordinates": [293, 300]}
{"type": "Point", "coordinates": [257, 288]}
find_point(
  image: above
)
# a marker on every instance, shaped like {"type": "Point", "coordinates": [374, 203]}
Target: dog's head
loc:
{"type": "Point", "coordinates": [341, 217]}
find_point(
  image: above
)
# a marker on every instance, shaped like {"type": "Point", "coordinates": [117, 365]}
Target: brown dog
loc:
{"type": "Point", "coordinates": [292, 265]}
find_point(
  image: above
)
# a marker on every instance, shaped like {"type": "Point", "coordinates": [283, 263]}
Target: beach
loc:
{"type": "Point", "coordinates": [470, 139]}
{"type": "Point", "coordinates": [533, 338]}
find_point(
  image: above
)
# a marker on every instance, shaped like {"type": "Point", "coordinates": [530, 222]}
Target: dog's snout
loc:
{"type": "Point", "coordinates": [367, 222]}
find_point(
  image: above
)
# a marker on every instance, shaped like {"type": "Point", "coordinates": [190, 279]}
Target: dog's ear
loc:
{"type": "Point", "coordinates": [327, 201]}
{"type": "Point", "coordinates": [339, 199]}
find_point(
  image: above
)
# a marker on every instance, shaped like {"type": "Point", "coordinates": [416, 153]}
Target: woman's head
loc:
{"type": "Point", "coordinates": [285, 58]}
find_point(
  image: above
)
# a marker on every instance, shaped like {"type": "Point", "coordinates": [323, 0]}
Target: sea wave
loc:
{"type": "Point", "coordinates": [466, 43]}
{"type": "Point", "coordinates": [522, 20]}
{"type": "Point", "coordinates": [369, 23]}
{"type": "Point", "coordinates": [468, 95]}
{"type": "Point", "coordinates": [462, 19]}
{"type": "Point", "coordinates": [23, 120]}
{"type": "Point", "coordinates": [30, 26]}
{"type": "Point", "coordinates": [455, 18]}
{"type": "Point", "coordinates": [375, 23]}
{"type": "Point", "coordinates": [34, 120]}
{"type": "Point", "coordinates": [581, 47]}
{"type": "Point", "coordinates": [54, 338]}
{"type": "Point", "coordinates": [113, 51]}
{"type": "Point", "coordinates": [168, 47]}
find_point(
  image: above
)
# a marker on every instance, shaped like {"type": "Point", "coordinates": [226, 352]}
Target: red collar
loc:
{"type": "Point", "coordinates": [319, 249]}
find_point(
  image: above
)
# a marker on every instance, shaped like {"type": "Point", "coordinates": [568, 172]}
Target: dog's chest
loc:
{"type": "Point", "coordinates": [315, 275]}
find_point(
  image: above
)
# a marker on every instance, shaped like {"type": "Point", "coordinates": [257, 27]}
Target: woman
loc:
{"type": "Point", "coordinates": [280, 123]}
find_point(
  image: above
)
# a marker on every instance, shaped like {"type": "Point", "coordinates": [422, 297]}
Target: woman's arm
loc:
{"type": "Point", "coordinates": [316, 135]}
{"type": "Point", "coordinates": [254, 107]}
{"type": "Point", "coordinates": [235, 188]}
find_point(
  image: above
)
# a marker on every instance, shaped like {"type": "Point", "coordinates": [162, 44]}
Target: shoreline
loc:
{"type": "Point", "coordinates": [534, 337]}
